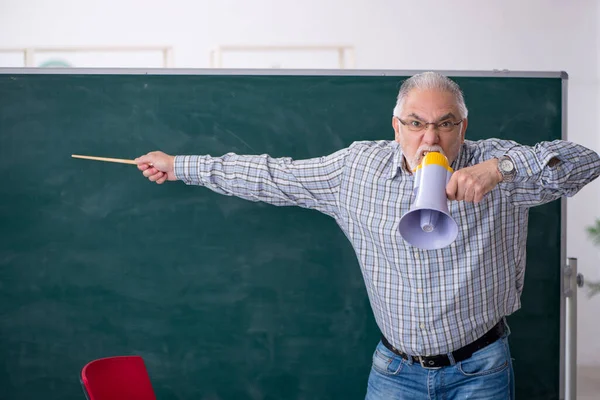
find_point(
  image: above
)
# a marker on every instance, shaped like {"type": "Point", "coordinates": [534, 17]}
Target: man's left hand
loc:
{"type": "Point", "coordinates": [473, 183]}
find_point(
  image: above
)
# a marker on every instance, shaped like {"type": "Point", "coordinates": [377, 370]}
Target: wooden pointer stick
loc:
{"type": "Point", "coordinates": [115, 160]}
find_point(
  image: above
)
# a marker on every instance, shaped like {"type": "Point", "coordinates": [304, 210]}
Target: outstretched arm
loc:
{"type": "Point", "coordinates": [311, 183]}
{"type": "Point", "coordinates": [544, 172]}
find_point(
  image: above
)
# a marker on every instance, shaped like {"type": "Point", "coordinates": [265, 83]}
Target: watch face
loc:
{"type": "Point", "coordinates": [506, 165]}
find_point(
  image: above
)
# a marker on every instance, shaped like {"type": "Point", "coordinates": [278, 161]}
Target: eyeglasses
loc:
{"type": "Point", "coordinates": [414, 125]}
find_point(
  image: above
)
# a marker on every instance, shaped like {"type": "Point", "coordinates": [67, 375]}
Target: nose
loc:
{"type": "Point", "coordinates": [430, 136]}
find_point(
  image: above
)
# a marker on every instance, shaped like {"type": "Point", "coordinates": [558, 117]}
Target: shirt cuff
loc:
{"type": "Point", "coordinates": [181, 168]}
{"type": "Point", "coordinates": [529, 163]}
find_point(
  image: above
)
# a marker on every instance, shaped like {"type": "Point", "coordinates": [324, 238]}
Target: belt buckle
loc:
{"type": "Point", "coordinates": [422, 361]}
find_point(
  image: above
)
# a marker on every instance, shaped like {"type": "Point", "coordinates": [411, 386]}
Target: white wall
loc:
{"type": "Point", "coordinates": [397, 34]}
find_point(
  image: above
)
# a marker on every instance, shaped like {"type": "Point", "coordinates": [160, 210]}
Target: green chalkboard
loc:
{"type": "Point", "coordinates": [224, 298]}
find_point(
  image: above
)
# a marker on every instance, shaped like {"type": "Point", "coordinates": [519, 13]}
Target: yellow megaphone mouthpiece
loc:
{"type": "Point", "coordinates": [434, 158]}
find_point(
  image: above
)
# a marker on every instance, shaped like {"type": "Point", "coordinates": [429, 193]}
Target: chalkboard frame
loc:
{"type": "Point", "coordinates": [566, 359]}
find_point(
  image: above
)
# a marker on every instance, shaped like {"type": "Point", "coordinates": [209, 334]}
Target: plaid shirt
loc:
{"type": "Point", "coordinates": [425, 302]}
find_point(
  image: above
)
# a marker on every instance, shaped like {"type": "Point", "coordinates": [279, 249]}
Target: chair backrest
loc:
{"type": "Point", "coordinates": [117, 378]}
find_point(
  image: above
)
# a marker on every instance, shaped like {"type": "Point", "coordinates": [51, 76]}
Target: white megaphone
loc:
{"type": "Point", "coordinates": [428, 225]}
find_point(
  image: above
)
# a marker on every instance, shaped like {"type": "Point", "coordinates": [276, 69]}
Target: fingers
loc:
{"type": "Point", "coordinates": [162, 180]}
{"type": "Point", "coordinates": [452, 187]}
{"type": "Point", "coordinates": [143, 163]}
{"type": "Point", "coordinates": [466, 189]}
{"type": "Point", "coordinates": [148, 172]}
{"type": "Point", "coordinates": [157, 177]}
{"type": "Point", "coordinates": [156, 166]}
{"type": "Point", "coordinates": [467, 186]}
{"type": "Point", "coordinates": [469, 195]}
{"type": "Point", "coordinates": [154, 175]}
{"type": "Point", "coordinates": [145, 159]}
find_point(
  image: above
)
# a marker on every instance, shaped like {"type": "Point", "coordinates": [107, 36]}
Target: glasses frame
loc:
{"type": "Point", "coordinates": [436, 125]}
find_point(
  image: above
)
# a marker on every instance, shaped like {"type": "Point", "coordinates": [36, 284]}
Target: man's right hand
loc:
{"type": "Point", "coordinates": [157, 166]}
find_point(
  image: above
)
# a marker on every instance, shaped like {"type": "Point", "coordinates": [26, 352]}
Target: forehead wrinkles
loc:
{"type": "Point", "coordinates": [430, 104]}
{"type": "Point", "coordinates": [431, 113]}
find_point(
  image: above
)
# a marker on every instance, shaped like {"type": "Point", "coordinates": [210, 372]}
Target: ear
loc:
{"type": "Point", "coordinates": [396, 127]}
{"type": "Point", "coordinates": [464, 130]}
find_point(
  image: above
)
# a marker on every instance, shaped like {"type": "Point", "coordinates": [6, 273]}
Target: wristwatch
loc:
{"type": "Point", "coordinates": [507, 168]}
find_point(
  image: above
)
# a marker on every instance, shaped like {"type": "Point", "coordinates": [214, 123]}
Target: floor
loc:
{"type": "Point", "coordinates": [588, 383]}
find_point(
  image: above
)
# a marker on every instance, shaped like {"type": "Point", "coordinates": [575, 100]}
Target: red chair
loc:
{"type": "Point", "coordinates": [117, 378]}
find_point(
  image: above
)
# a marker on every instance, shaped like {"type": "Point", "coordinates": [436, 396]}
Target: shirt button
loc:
{"type": "Point", "coordinates": [417, 256]}
{"type": "Point", "coordinates": [528, 171]}
{"type": "Point", "coordinates": [422, 326]}
{"type": "Point", "coordinates": [419, 290]}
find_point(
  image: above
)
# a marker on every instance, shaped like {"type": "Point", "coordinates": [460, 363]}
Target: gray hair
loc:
{"type": "Point", "coordinates": [431, 81]}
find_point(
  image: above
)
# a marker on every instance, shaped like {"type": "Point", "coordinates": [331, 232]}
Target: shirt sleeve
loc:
{"type": "Point", "coordinates": [312, 183]}
{"type": "Point", "coordinates": [537, 182]}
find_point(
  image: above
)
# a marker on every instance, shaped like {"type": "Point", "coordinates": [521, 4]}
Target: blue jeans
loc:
{"type": "Point", "coordinates": [486, 375]}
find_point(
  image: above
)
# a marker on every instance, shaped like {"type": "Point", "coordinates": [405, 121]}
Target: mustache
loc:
{"type": "Point", "coordinates": [419, 154]}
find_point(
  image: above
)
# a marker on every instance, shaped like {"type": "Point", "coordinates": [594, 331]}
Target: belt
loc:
{"type": "Point", "coordinates": [461, 354]}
